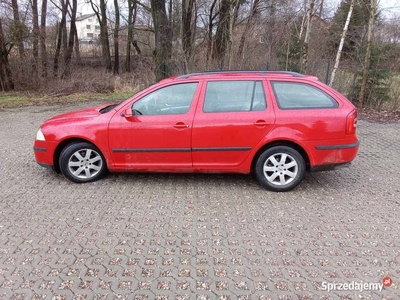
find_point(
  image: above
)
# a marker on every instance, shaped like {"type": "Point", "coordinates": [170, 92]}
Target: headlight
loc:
{"type": "Point", "coordinates": [40, 136]}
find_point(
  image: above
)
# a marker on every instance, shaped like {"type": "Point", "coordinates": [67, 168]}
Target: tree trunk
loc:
{"type": "Point", "coordinates": [19, 28]}
{"type": "Point", "coordinates": [71, 40]}
{"type": "Point", "coordinates": [116, 39]}
{"type": "Point", "coordinates": [6, 80]}
{"type": "Point", "coordinates": [367, 54]}
{"type": "Point", "coordinates": [42, 40]}
{"type": "Point", "coordinates": [321, 9]}
{"type": "Point", "coordinates": [222, 34]}
{"type": "Point", "coordinates": [163, 39]}
{"type": "Point", "coordinates": [105, 43]}
{"type": "Point", "coordinates": [310, 9]}
{"type": "Point", "coordinates": [246, 30]}
{"type": "Point", "coordinates": [132, 5]}
{"type": "Point", "coordinates": [35, 39]}
{"type": "Point", "coordinates": [339, 52]}
{"type": "Point", "coordinates": [211, 18]}
{"type": "Point", "coordinates": [60, 37]}
{"type": "Point", "coordinates": [234, 9]}
{"type": "Point", "coordinates": [187, 16]}
{"type": "Point", "coordinates": [76, 48]}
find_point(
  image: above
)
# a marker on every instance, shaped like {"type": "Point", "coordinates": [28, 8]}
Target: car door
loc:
{"type": "Point", "coordinates": [156, 134]}
{"type": "Point", "coordinates": [231, 119]}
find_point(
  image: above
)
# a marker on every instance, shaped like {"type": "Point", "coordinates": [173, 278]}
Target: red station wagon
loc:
{"type": "Point", "coordinates": [275, 124]}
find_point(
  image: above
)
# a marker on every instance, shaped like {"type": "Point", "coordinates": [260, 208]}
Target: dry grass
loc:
{"type": "Point", "coordinates": [86, 83]}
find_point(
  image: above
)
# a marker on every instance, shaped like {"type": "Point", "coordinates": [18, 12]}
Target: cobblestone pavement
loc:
{"type": "Point", "coordinates": [196, 236]}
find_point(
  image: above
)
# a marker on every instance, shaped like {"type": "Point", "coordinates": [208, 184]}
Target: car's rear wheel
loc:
{"type": "Point", "coordinates": [82, 162]}
{"type": "Point", "coordinates": [280, 168]}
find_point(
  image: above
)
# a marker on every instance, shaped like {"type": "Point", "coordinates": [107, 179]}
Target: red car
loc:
{"type": "Point", "coordinates": [277, 125]}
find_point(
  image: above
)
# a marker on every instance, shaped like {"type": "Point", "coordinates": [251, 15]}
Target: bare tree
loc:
{"type": "Point", "coordinates": [211, 17]}
{"type": "Point", "coordinates": [61, 36]}
{"type": "Point", "coordinates": [6, 79]}
{"type": "Point", "coordinates": [71, 39]}
{"type": "Point", "coordinates": [132, 11]}
{"type": "Point", "coordinates": [163, 39]}
{"type": "Point", "coordinates": [35, 38]}
{"type": "Point", "coordinates": [42, 39]}
{"type": "Point", "coordinates": [222, 34]}
{"type": "Point", "coordinates": [187, 30]}
{"type": "Point", "coordinates": [101, 14]}
{"type": "Point", "coordinates": [18, 28]}
{"type": "Point", "coordinates": [339, 52]}
{"type": "Point", "coordinates": [116, 39]}
{"type": "Point", "coordinates": [367, 59]}
{"type": "Point", "coordinates": [253, 12]}
{"type": "Point", "coordinates": [310, 9]}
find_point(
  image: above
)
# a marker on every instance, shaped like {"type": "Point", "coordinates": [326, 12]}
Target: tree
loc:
{"type": "Point", "coordinates": [310, 10]}
{"type": "Point", "coordinates": [18, 28]}
{"type": "Point", "coordinates": [163, 39]}
{"type": "Point", "coordinates": [253, 12]}
{"type": "Point", "coordinates": [116, 39]}
{"type": "Point", "coordinates": [42, 39]}
{"type": "Point", "coordinates": [132, 11]}
{"type": "Point", "coordinates": [35, 38]}
{"type": "Point", "coordinates": [367, 54]}
{"type": "Point", "coordinates": [61, 36]}
{"type": "Point", "coordinates": [71, 39]}
{"type": "Point", "coordinates": [356, 28]}
{"type": "Point", "coordinates": [211, 17]}
{"type": "Point", "coordinates": [6, 79]}
{"type": "Point", "coordinates": [187, 29]}
{"type": "Point", "coordinates": [222, 34]}
{"type": "Point", "coordinates": [101, 14]}
{"type": "Point", "coordinates": [339, 52]}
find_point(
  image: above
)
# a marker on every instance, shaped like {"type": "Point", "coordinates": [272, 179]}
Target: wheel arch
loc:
{"type": "Point", "coordinates": [287, 143]}
{"type": "Point", "coordinates": [65, 143]}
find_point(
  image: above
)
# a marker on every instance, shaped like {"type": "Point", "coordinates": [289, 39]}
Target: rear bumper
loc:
{"type": "Point", "coordinates": [338, 147]}
{"type": "Point", "coordinates": [329, 167]}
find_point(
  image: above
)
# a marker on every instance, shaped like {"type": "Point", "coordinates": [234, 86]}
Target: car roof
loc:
{"type": "Point", "coordinates": [239, 73]}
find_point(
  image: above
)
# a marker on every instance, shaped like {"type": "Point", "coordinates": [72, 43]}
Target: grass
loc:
{"type": "Point", "coordinates": [18, 99]}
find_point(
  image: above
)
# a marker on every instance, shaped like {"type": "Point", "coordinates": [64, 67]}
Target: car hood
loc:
{"type": "Point", "coordinates": [90, 112]}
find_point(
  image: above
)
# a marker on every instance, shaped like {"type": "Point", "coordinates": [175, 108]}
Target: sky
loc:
{"type": "Point", "coordinates": [389, 7]}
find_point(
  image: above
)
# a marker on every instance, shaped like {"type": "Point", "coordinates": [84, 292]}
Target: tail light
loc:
{"type": "Point", "coordinates": [351, 122]}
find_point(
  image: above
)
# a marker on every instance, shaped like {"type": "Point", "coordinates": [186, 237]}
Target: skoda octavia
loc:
{"type": "Point", "coordinates": [277, 125]}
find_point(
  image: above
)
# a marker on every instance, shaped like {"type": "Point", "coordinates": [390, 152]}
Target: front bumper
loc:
{"type": "Point", "coordinates": [44, 152]}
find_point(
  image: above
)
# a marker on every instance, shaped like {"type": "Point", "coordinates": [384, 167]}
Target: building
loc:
{"type": "Point", "coordinates": [88, 28]}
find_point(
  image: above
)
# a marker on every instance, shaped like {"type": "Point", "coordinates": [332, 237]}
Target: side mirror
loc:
{"type": "Point", "coordinates": [127, 113]}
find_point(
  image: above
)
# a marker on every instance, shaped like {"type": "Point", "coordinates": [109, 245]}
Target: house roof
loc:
{"type": "Point", "coordinates": [83, 17]}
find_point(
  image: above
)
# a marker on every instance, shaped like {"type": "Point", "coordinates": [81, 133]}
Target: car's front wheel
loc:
{"type": "Point", "coordinates": [82, 162]}
{"type": "Point", "coordinates": [280, 168]}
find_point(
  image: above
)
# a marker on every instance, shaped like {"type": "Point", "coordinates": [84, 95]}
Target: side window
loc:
{"type": "Point", "coordinates": [234, 96]}
{"type": "Point", "coordinates": [173, 99]}
{"type": "Point", "coordinates": [293, 95]}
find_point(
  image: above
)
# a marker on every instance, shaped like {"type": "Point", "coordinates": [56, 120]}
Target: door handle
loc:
{"type": "Point", "coordinates": [181, 125]}
{"type": "Point", "coordinates": [261, 123]}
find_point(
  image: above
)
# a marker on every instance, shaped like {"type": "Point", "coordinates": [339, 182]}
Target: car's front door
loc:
{"type": "Point", "coordinates": [158, 135]}
{"type": "Point", "coordinates": [232, 118]}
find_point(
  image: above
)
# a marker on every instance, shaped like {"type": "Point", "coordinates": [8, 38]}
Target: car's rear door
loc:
{"type": "Point", "coordinates": [232, 117]}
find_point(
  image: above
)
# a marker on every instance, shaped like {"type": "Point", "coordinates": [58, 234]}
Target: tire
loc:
{"type": "Point", "coordinates": [82, 162]}
{"type": "Point", "coordinates": [280, 168]}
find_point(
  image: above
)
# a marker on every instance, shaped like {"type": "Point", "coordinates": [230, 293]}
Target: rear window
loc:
{"type": "Point", "coordinates": [293, 95]}
{"type": "Point", "coordinates": [234, 96]}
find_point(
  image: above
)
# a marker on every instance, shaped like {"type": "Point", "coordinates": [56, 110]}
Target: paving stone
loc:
{"type": "Point", "coordinates": [196, 236]}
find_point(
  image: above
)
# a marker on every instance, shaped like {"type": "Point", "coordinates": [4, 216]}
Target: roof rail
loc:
{"type": "Point", "coordinates": [262, 73]}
